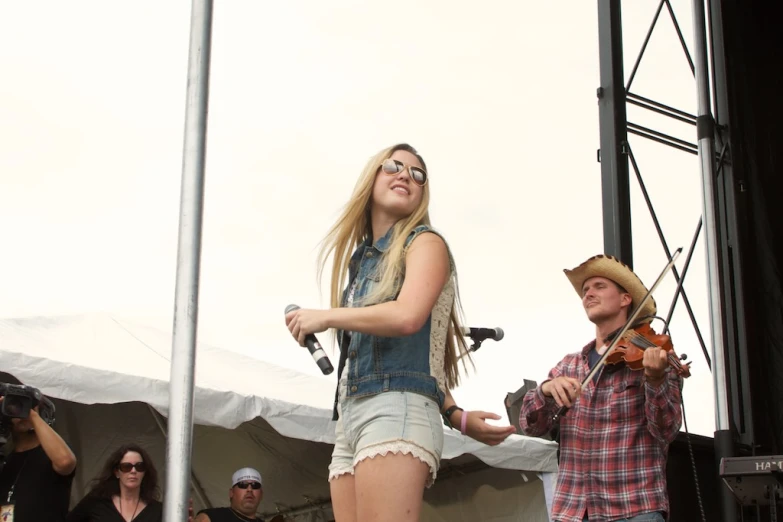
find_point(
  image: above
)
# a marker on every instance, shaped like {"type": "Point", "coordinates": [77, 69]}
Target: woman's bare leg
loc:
{"type": "Point", "coordinates": [390, 488]}
{"type": "Point", "coordinates": [344, 498]}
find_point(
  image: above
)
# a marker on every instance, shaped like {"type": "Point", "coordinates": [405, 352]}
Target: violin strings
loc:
{"type": "Point", "coordinates": [646, 343]}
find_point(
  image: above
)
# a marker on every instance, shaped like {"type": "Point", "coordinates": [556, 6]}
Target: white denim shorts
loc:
{"type": "Point", "coordinates": [390, 422]}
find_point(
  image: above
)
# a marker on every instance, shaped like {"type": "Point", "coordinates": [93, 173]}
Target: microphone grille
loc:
{"type": "Point", "coordinates": [291, 308]}
{"type": "Point", "coordinates": [500, 333]}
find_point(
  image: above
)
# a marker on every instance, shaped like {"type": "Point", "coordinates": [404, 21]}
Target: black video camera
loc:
{"type": "Point", "coordinates": [17, 402]}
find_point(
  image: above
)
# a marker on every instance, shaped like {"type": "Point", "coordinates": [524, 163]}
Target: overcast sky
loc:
{"type": "Point", "coordinates": [498, 97]}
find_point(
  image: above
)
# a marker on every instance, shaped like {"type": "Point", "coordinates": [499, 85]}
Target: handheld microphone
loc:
{"type": "Point", "coordinates": [482, 334]}
{"type": "Point", "coordinates": [315, 348]}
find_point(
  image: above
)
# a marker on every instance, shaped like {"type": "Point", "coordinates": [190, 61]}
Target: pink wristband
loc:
{"type": "Point", "coordinates": [464, 422]}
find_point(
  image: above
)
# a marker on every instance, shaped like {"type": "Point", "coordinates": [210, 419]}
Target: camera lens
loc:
{"type": "Point", "coordinates": [14, 406]}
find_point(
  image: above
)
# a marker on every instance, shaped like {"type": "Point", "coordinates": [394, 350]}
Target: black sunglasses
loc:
{"type": "Point", "coordinates": [126, 467]}
{"type": "Point", "coordinates": [245, 483]}
{"type": "Point", "coordinates": [393, 166]}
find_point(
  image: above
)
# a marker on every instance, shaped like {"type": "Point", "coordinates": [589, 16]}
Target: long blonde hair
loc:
{"type": "Point", "coordinates": [353, 227]}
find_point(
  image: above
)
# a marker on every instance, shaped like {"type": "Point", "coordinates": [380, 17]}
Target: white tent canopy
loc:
{"type": "Point", "coordinates": [110, 379]}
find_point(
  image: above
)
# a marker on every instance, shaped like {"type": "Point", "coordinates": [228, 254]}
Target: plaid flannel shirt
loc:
{"type": "Point", "coordinates": [613, 442]}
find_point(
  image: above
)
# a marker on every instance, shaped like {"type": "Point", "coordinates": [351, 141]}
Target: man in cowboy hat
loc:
{"type": "Point", "coordinates": [614, 439]}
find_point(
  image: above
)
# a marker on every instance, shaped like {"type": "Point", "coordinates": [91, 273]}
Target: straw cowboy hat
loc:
{"type": "Point", "coordinates": [612, 268]}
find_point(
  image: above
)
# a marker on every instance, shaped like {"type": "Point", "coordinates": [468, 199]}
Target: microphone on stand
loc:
{"type": "Point", "coordinates": [315, 348]}
{"type": "Point", "coordinates": [479, 335]}
{"type": "Point", "coordinates": [482, 334]}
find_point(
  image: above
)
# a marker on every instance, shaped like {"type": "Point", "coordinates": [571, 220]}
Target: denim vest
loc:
{"type": "Point", "coordinates": [381, 364]}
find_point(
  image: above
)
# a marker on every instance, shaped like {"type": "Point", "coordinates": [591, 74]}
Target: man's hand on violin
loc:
{"type": "Point", "coordinates": [656, 361]}
{"type": "Point", "coordinates": [564, 390]}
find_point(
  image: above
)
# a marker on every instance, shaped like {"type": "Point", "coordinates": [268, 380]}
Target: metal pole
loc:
{"type": "Point", "coordinates": [731, 204]}
{"type": "Point", "coordinates": [615, 185]}
{"type": "Point", "coordinates": [197, 487]}
{"type": "Point", "coordinates": [183, 356]}
{"type": "Point", "coordinates": [705, 129]}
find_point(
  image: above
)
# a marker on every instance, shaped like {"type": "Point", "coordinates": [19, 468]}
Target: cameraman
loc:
{"type": "Point", "coordinates": [35, 482]}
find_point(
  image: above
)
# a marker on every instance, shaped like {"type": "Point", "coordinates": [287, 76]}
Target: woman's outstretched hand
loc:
{"type": "Point", "coordinates": [477, 428]}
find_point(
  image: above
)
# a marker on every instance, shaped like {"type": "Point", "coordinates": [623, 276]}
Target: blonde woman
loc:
{"type": "Point", "coordinates": [394, 304]}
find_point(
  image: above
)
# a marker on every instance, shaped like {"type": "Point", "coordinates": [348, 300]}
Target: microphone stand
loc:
{"type": "Point", "coordinates": [476, 344]}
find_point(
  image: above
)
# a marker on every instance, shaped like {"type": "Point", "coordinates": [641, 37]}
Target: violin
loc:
{"type": "Point", "coordinates": [630, 349]}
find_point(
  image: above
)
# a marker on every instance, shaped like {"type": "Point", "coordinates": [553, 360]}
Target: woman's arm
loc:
{"type": "Point", "coordinates": [427, 269]}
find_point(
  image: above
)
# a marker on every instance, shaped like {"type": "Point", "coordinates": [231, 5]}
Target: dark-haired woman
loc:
{"type": "Point", "coordinates": [126, 490]}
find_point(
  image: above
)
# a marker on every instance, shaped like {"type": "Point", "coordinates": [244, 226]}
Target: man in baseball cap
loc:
{"type": "Point", "coordinates": [244, 496]}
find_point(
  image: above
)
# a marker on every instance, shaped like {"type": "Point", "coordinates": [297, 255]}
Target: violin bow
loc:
{"type": "Point", "coordinates": [600, 363]}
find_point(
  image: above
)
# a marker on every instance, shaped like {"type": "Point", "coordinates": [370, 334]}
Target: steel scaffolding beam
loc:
{"type": "Point", "coordinates": [718, 223]}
